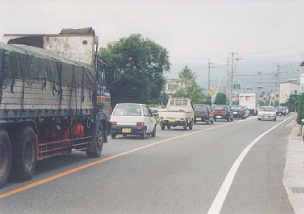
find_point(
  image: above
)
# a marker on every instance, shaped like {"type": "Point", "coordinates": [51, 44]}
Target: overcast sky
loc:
{"type": "Point", "coordinates": [192, 31]}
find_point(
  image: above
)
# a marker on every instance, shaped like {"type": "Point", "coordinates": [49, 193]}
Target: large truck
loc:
{"type": "Point", "coordinates": [250, 100]}
{"type": "Point", "coordinates": [53, 99]}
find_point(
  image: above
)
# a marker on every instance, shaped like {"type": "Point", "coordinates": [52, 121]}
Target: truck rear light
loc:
{"type": "Point", "coordinates": [114, 123]}
{"type": "Point", "coordinates": [140, 124]}
{"type": "Point", "coordinates": [161, 118]}
{"type": "Point", "coordinates": [241, 112]}
{"type": "Point", "coordinates": [207, 114]}
{"type": "Point", "coordinates": [182, 119]}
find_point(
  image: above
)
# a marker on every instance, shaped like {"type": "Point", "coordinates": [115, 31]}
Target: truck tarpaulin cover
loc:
{"type": "Point", "coordinates": [31, 63]}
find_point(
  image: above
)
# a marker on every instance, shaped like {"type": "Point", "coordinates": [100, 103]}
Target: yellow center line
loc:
{"type": "Point", "coordinates": [46, 180]}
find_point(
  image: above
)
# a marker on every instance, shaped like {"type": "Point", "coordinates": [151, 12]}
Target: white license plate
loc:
{"type": "Point", "coordinates": [234, 112]}
{"type": "Point", "coordinates": [218, 116]}
{"type": "Point", "coordinates": [126, 130]}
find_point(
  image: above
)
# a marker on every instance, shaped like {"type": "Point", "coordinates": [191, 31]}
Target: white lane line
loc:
{"type": "Point", "coordinates": [223, 191]}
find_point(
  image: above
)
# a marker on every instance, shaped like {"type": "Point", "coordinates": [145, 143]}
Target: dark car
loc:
{"type": "Point", "coordinates": [203, 113]}
{"type": "Point", "coordinates": [222, 112]}
{"type": "Point", "coordinates": [281, 110]}
{"type": "Point", "coordinates": [239, 111]}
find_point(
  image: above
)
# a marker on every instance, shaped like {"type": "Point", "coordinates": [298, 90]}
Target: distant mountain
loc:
{"type": "Point", "coordinates": [242, 68]}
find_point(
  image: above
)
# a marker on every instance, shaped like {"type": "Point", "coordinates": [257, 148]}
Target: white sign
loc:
{"type": "Point", "coordinates": [302, 83]}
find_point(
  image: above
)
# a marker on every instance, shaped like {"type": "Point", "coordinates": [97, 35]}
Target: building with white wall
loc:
{"type": "Point", "coordinates": [172, 85]}
{"type": "Point", "coordinates": [287, 90]}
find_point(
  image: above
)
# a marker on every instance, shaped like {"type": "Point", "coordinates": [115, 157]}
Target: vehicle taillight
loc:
{"type": "Point", "coordinates": [182, 119]}
{"type": "Point", "coordinates": [161, 118]}
{"type": "Point", "coordinates": [110, 110]}
{"type": "Point", "coordinates": [114, 123]}
{"type": "Point", "coordinates": [241, 112]}
{"type": "Point", "coordinates": [207, 114]}
{"type": "Point", "coordinates": [140, 124]}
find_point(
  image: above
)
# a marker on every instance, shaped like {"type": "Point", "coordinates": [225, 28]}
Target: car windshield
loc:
{"type": "Point", "coordinates": [267, 108]}
{"type": "Point", "coordinates": [127, 110]}
{"type": "Point", "coordinates": [219, 108]}
{"type": "Point", "coordinates": [237, 108]}
{"type": "Point", "coordinates": [200, 108]}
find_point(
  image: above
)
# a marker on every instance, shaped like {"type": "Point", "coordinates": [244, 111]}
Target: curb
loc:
{"type": "Point", "coordinates": [293, 178]}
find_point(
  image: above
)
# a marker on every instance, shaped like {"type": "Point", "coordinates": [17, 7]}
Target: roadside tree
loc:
{"type": "Point", "coordinates": [141, 64]}
{"type": "Point", "coordinates": [191, 89]}
{"type": "Point", "coordinates": [220, 99]}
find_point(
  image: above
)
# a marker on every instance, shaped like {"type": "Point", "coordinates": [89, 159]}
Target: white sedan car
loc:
{"type": "Point", "coordinates": [132, 119]}
{"type": "Point", "coordinates": [267, 113]}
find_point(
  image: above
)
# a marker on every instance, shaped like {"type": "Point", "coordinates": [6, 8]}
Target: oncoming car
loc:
{"type": "Point", "coordinates": [267, 113]}
{"type": "Point", "coordinates": [132, 119]}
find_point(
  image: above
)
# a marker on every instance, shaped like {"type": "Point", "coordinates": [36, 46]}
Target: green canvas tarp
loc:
{"type": "Point", "coordinates": [30, 64]}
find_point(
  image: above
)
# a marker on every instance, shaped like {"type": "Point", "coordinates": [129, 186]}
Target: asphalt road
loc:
{"type": "Point", "coordinates": [176, 172]}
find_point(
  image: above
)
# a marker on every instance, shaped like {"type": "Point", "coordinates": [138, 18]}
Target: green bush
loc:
{"type": "Point", "coordinates": [300, 104]}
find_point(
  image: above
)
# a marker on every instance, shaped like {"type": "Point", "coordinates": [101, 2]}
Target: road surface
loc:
{"type": "Point", "coordinates": [228, 167]}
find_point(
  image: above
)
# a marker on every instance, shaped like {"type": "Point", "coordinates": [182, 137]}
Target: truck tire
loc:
{"type": "Point", "coordinates": [5, 157]}
{"type": "Point", "coordinates": [191, 125]}
{"type": "Point", "coordinates": [97, 142]}
{"type": "Point", "coordinates": [163, 127]}
{"type": "Point", "coordinates": [24, 154]}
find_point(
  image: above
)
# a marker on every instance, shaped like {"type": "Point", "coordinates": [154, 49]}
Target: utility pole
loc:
{"type": "Point", "coordinates": [276, 84]}
{"type": "Point", "coordinates": [259, 87]}
{"type": "Point", "coordinates": [228, 88]}
{"type": "Point", "coordinates": [209, 66]}
{"type": "Point", "coordinates": [231, 74]}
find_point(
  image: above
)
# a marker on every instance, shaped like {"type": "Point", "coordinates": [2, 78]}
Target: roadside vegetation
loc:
{"type": "Point", "coordinates": [140, 63]}
{"type": "Point", "coordinates": [191, 89]}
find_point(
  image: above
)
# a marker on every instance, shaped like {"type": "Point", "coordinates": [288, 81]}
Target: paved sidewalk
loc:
{"type": "Point", "coordinates": [293, 178]}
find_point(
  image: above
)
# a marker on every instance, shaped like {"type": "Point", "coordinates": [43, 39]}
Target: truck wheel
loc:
{"type": "Point", "coordinates": [163, 127]}
{"type": "Point", "coordinates": [207, 122]}
{"type": "Point", "coordinates": [113, 136]}
{"type": "Point", "coordinates": [191, 125]}
{"type": "Point", "coordinates": [185, 127]}
{"type": "Point", "coordinates": [24, 154]}
{"type": "Point", "coordinates": [154, 132]}
{"type": "Point", "coordinates": [97, 142]}
{"type": "Point", "coordinates": [168, 127]}
{"type": "Point", "coordinates": [5, 157]}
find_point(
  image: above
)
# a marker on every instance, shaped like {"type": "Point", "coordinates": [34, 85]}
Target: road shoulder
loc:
{"type": "Point", "coordinates": [293, 178]}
